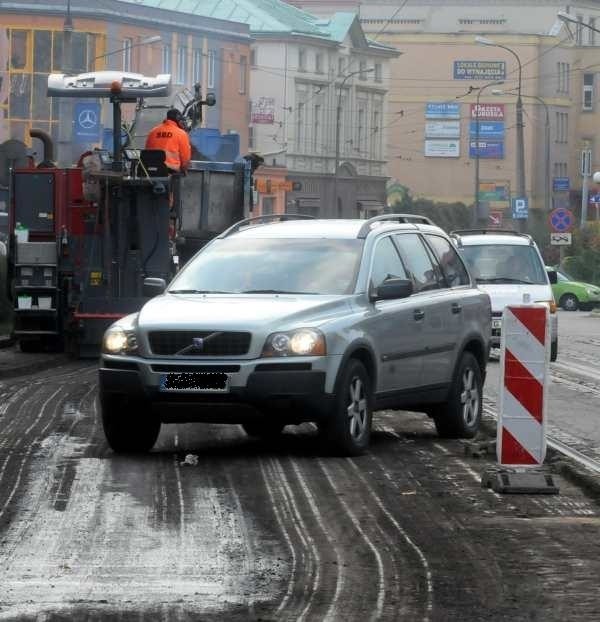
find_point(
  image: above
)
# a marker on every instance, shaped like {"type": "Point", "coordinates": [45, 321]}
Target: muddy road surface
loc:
{"type": "Point", "coordinates": [243, 529]}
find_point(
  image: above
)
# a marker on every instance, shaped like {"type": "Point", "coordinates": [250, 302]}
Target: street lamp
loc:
{"type": "Point", "coordinates": [520, 138]}
{"type": "Point", "coordinates": [476, 216]}
{"type": "Point", "coordinates": [547, 135]}
{"type": "Point", "coordinates": [337, 131]}
{"type": "Point", "coordinates": [144, 41]}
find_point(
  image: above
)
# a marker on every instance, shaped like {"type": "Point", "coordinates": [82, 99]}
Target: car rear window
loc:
{"type": "Point", "coordinates": [504, 263]}
{"type": "Point", "coordinates": [273, 265]}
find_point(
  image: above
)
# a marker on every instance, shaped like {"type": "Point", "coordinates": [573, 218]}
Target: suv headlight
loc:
{"type": "Point", "coordinates": [301, 342]}
{"type": "Point", "coordinates": [119, 341]}
{"type": "Point", "coordinates": [592, 291]}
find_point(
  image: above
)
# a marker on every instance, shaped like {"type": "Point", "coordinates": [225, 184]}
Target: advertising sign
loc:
{"type": "Point", "coordinates": [487, 129]}
{"type": "Point", "coordinates": [86, 126]}
{"type": "Point", "coordinates": [479, 70]}
{"type": "Point", "coordinates": [442, 129]}
{"type": "Point", "coordinates": [487, 112]}
{"type": "Point", "coordinates": [561, 184]}
{"type": "Point", "coordinates": [442, 148]}
{"type": "Point", "coordinates": [442, 110]}
{"type": "Point", "coordinates": [497, 193]}
{"type": "Point", "coordinates": [490, 149]}
{"type": "Point", "coordinates": [263, 110]}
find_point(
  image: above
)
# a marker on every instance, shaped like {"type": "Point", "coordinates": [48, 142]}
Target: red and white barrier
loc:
{"type": "Point", "coordinates": [521, 439]}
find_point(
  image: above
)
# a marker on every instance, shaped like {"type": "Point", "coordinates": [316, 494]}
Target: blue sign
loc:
{"type": "Point", "coordinates": [86, 122]}
{"type": "Point", "coordinates": [595, 198]}
{"type": "Point", "coordinates": [561, 184]}
{"type": "Point", "coordinates": [561, 220]}
{"type": "Point", "coordinates": [479, 70]}
{"type": "Point", "coordinates": [490, 149]}
{"type": "Point", "coordinates": [520, 208]}
{"type": "Point", "coordinates": [442, 110]}
{"type": "Point", "coordinates": [487, 129]}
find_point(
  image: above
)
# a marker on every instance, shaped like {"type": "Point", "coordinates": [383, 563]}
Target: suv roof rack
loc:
{"type": "Point", "coordinates": [458, 232]}
{"type": "Point", "coordinates": [399, 218]}
{"type": "Point", "coordinates": [260, 220]}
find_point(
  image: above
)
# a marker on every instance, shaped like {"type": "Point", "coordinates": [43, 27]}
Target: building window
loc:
{"type": "Point", "coordinates": [251, 138]}
{"type": "Point", "coordinates": [268, 204]}
{"type": "Point", "coordinates": [197, 66]}
{"type": "Point", "coordinates": [560, 169]}
{"type": "Point", "coordinates": [579, 30]}
{"type": "Point", "coordinates": [378, 76]}
{"type": "Point", "coordinates": [181, 64]}
{"type": "Point", "coordinates": [376, 135]}
{"type": "Point", "coordinates": [166, 58]}
{"type": "Point", "coordinates": [362, 68]}
{"type": "Point", "coordinates": [341, 65]}
{"type": "Point", "coordinates": [564, 78]}
{"type": "Point", "coordinates": [319, 63]}
{"type": "Point", "coordinates": [588, 91]}
{"type": "Point", "coordinates": [300, 128]}
{"type": "Point", "coordinates": [316, 129]}
{"type": "Point", "coordinates": [360, 131]}
{"type": "Point", "coordinates": [211, 70]}
{"type": "Point", "coordinates": [127, 45]}
{"type": "Point", "coordinates": [301, 59]}
{"type": "Point", "coordinates": [243, 73]}
{"type": "Point", "coordinates": [591, 33]}
{"type": "Point", "coordinates": [253, 57]}
{"type": "Point", "coordinates": [19, 45]}
{"type": "Point", "coordinates": [562, 127]}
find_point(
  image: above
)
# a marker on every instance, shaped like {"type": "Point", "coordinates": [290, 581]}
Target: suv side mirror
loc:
{"type": "Point", "coordinates": [392, 289]}
{"type": "Point", "coordinates": [553, 276]}
{"type": "Point", "coordinates": [153, 287]}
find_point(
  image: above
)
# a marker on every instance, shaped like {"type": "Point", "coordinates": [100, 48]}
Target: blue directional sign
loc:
{"type": "Point", "coordinates": [86, 122]}
{"type": "Point", "coordinates": [442, 110]}
{"type": "Point", "coordinates": [561, 220]}
{"type": "Point", "coordinates": [520, 208]}
{"type": "Point", "coordinates": [487, 129]}
{"type": "Point", "coordinates": [561, 184]}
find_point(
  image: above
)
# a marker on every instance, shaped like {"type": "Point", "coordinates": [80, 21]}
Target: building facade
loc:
{"type": "Point", "coordinates": [118, 35]}
{"type": "Point", "coordinates": [436, 81]}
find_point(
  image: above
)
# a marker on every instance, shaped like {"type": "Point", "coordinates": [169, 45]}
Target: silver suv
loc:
{"type": "Point", "coordinates": [277, 323]}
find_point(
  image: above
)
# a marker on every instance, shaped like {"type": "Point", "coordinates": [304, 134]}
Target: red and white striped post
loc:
{"type": "Point", "coordinates": [524, 375]}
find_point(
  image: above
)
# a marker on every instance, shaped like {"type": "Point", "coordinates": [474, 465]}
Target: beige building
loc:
{"type": "Point", "coordinates": [435, 83]}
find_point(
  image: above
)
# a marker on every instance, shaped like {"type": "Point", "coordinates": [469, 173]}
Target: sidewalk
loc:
{"type": "Point", "coordinates": [14, 363]}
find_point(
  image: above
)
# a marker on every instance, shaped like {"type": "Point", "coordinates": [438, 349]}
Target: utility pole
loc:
{"type": "Point", "coordinates": [65, 106]}
{"type": "Point", "coordinates": [586, 172]}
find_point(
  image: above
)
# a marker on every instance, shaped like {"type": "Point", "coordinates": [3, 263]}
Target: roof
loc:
{"type": "Point", "coordinates": [272, 17]}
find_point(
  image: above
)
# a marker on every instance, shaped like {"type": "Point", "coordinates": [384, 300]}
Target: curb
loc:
{"type": "Point", "coordinates": [577, 476]}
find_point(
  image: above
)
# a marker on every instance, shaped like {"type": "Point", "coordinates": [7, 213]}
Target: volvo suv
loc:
{"type": "Point", "coordinates": [285, 319]}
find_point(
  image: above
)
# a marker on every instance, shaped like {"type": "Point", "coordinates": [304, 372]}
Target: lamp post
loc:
{"type": "Point", "coordinates": [520, 138]}
{"type": "Point", "coordinates": [548, 181]}
{"type": "Point", "coordinates": [337, 131]}
{"type": "Point", "coordinates": [476, 216]}
{"type": "Point", "coordinates": [144, 41]}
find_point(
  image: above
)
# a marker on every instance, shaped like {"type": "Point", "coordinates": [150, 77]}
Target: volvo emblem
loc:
{"type": "Point", "coordinates": [198, 343]}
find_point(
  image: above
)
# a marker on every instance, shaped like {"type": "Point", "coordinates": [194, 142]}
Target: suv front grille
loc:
{"type": "Point", "coordinates": [199, 343]}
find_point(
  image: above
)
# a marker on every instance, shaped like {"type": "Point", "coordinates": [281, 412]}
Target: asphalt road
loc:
{"type": "Point", "coordinates": [281, 531]}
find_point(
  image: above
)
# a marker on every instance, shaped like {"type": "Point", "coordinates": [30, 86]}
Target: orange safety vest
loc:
{"type": "Point", "coordinates": [174, 141]}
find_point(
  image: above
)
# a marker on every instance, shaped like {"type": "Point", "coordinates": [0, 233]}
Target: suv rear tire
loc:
{"type": "Point", "coordinates": [128, 425]}
{"type": "Point", "coordinates": [460, 416]}
{"type": "Point", "coordinates": [348, 427]}
{"type": "Point", "coordinates": [263, 429]}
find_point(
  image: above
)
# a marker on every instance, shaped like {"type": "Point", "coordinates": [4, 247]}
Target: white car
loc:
{"type": "Point", "coordinates": [508, 266]}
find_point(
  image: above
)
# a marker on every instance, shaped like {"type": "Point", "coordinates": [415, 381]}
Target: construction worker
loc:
{"type": "Point", "coordinates": [171, 137]}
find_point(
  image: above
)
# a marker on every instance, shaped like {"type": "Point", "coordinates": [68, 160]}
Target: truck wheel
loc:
{"type": "Point", "coordinates": [263, 429]}
{"type": "Point", "coordinates": [128, 425]}
{"type": "Point", "coordinates": [347, 429]}
{"type": "Point", "coordinates": [460, 416]}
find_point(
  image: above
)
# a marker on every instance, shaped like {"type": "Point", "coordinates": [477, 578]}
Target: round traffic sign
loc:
{"type": "Point", "coordinates": [561, 220]}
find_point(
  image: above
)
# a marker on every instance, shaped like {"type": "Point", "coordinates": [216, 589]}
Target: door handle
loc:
{"type": "Point", "coordinates": [456, 308]}
{"type": "Point", "coordinates": [418, 314]}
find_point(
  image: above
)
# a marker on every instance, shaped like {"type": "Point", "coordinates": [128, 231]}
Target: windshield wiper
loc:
{"type": "Point", "coordinates": [503, 279]}
{"type": "Point", "coordinates": [274, 291]}
{"type": "Point", "coordinates": [196, 291]}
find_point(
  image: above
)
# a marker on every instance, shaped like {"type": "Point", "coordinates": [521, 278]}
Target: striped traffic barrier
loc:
{"type": "Point", "coordinates": [524, 375]}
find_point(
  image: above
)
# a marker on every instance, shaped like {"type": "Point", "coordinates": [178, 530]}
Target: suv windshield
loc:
{"type": "Point", "coordinates": [273, 265]}
{"type": "Point", "coordinates": [504, 263]}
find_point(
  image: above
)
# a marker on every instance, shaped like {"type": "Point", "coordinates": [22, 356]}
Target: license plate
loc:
{"type": "Point", "coordinates": [496, 323]}
{"type": "Point", "coordinates": [195, 382]}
